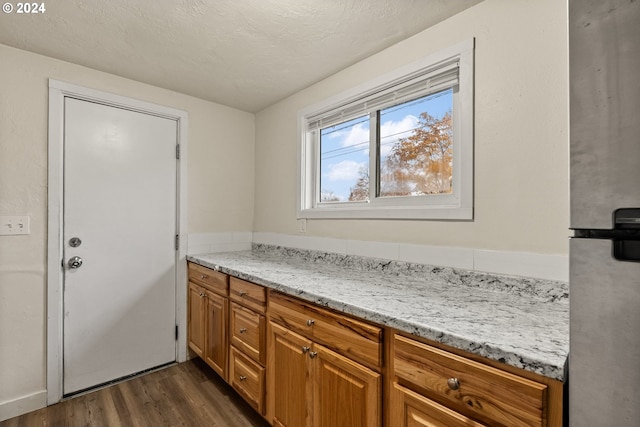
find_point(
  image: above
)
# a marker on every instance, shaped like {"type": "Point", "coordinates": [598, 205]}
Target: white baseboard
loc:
{"type": "Point", "coordinates": [23, 404]}
{"type": "Point", "coordinates": [526, 264]}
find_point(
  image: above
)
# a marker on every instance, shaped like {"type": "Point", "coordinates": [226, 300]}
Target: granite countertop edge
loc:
{"type": "Point", "coordinates": [542, 349]}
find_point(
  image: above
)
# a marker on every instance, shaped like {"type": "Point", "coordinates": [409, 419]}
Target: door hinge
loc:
{"type": "Point", "coordinates": [177, 242]}
{"type": "Point", "coordinates": [176, 332]}
{"type": "Point", "coordinates": [178, 151]}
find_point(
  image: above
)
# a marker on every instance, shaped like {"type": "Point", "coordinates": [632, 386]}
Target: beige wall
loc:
{"type": "Point", "coordinates": [521, 135]}
{"type": "Point", "coordinates": [221, 149]}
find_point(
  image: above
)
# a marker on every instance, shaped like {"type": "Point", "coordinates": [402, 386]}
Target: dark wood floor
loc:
{"type": "Point", "coordinates": [188, 394]}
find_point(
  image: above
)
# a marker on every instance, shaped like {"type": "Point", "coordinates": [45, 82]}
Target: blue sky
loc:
{"type": "Point", "coordinates": [345, 146]}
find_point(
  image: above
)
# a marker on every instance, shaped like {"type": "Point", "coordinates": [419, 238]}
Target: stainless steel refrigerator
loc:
{"type": "Point", "coordinates": [604, 76]}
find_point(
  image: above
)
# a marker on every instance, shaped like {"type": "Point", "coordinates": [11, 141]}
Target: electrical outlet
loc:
{"type": "Point", "coordinates": [302, 224]}
{"type": "Point", "coordinates": [14, 225]}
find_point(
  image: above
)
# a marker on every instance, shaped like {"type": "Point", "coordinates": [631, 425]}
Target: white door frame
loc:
{"type": "Point", "coordinates": [57, 92]}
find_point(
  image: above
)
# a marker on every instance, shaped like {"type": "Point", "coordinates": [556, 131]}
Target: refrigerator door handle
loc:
{"type": "Point", "coordinates": [626, 219]}
{"type": "Point", "coordinates": [625, 235]}
{"type": "Point", "coordinates": [627, 249]}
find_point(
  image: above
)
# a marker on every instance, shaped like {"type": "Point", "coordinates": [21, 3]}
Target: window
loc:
{"type": "Point", "coordinates": [400, 146]}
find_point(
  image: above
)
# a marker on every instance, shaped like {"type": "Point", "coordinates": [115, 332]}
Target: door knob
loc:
{"type": "Point", "coordinates": [74, 262]}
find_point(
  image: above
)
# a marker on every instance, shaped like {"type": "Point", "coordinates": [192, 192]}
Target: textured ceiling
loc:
{"type": "Point", "coordinates": [247, 54]}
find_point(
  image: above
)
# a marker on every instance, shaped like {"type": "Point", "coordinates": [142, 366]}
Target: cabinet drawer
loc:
{"type": "Point", "coordinates": [248, 294]}
{"type": "Point", "coordinates": [413, 410]}
{"type": "Point", "coordinates": [353, 338]}
{"type": "Point", "coordinates": [482, 392]}
{"type": "Point", "coordinates": [247, 377]}
{"type": "Point", "coordinates": [248, 332]}
{"type": "Point", "coordinates": [214, 280]}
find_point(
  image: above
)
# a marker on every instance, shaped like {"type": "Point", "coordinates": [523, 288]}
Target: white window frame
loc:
{"type": "Point", "coordinates": [455, 206]}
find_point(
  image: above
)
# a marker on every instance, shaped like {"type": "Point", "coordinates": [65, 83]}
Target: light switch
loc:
{"type": "Point", "coordinates": [14, 225]}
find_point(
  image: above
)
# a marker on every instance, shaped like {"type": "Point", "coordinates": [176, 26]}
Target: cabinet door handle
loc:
{"type": "Point", "coordinates": [305, 349]}
{"type": "Point", "coordinates": [243, 330]}
{"type": "Point", "coordinates": [453, 383]}
{"type": "Point", "coordinates": [310, 322]}
{"type": "Point", "coordinates": [242, 378]}
{"type": "Point", "coordinates": [313, 354]}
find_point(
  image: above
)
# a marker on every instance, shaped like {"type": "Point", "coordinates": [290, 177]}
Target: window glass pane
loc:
{"type": "Point", "coordinates": [344, 161]}
{"type": "Point", "coordinates": [416, 147]}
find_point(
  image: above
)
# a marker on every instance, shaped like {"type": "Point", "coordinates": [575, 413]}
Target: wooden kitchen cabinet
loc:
{"type": "Point", "coordinates": [248, 332]}
{"type": "Point", "coordinates": [216, 343]}
{"type": "Point", "coordinates": [313, 379]}
{"type": "Point", "coordinates": [414, 410]}
{"type": "Point", "coordinates": [196, 319]}
{"type": "Point", "coordinates": [299, 364]}
{"type": "Point", "coordinates": [290, 392]}
{"type": "Point", "coordinates": [208, 317]}
{"type": "Point", "coordinates": [248, 294]}
{"type": "Point", "coordinates": [356, 339]}
{"type": "Point", "coordinates": [247, 352]}
{"type": "Point", "coordinates": [431, 386]}
{"type": "Point", "coordinates": [247, 377]}
{"type": "Point", "coordinates": [345, 393]}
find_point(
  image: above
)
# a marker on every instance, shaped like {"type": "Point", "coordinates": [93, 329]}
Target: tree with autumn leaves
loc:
{"type": "Point", "coordinates": [418, 164]}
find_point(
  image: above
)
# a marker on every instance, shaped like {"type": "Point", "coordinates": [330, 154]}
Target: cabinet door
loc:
{"type": "Point", "coordinates": [196, 321]}
{"type": "Point", "coordinates": [289, 385]}
{"type": "Point", "coordinates": [410, 409]}
{"type": "Point", "coordinates": [216, 342]}
{"type": "Point", "coordinates": [345, 393]}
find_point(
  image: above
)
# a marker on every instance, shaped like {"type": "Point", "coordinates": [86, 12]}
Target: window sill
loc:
{"type": "Point", "coordinates": [403, 212]}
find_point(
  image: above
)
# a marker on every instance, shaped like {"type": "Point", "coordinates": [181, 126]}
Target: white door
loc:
{"type": "Point", "coordinates": [120, 219]}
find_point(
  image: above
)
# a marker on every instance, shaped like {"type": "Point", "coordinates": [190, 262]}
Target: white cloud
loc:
{"type": "Point", "coordinates": [356, 136]}
{"type": "Point", "coordinates": [346, 170]}
{"type": "Point", "coordinates": [396, 130]}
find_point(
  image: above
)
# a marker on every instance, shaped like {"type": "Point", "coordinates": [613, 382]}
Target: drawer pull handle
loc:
{"type": "Point", "coordinates": [242, 378]}
{"type": "Point", "coordinates": [242, 294]}
{"type": "Point", "coordinates": [305, 349]}
{"type": "Point", "coordinates": [453, 383]}
{"type": "Point", "coordinates": [313, 354]}
{"type": "Point", "coordinates": [243, 330]}
{"type": "Point", "coordinates": [204, 276]}
{"type": "Point", "coordinates": [310, 322]}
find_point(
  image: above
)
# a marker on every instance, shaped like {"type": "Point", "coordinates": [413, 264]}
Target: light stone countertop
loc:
{"type": "Point", "coordinates": [522, 322]}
